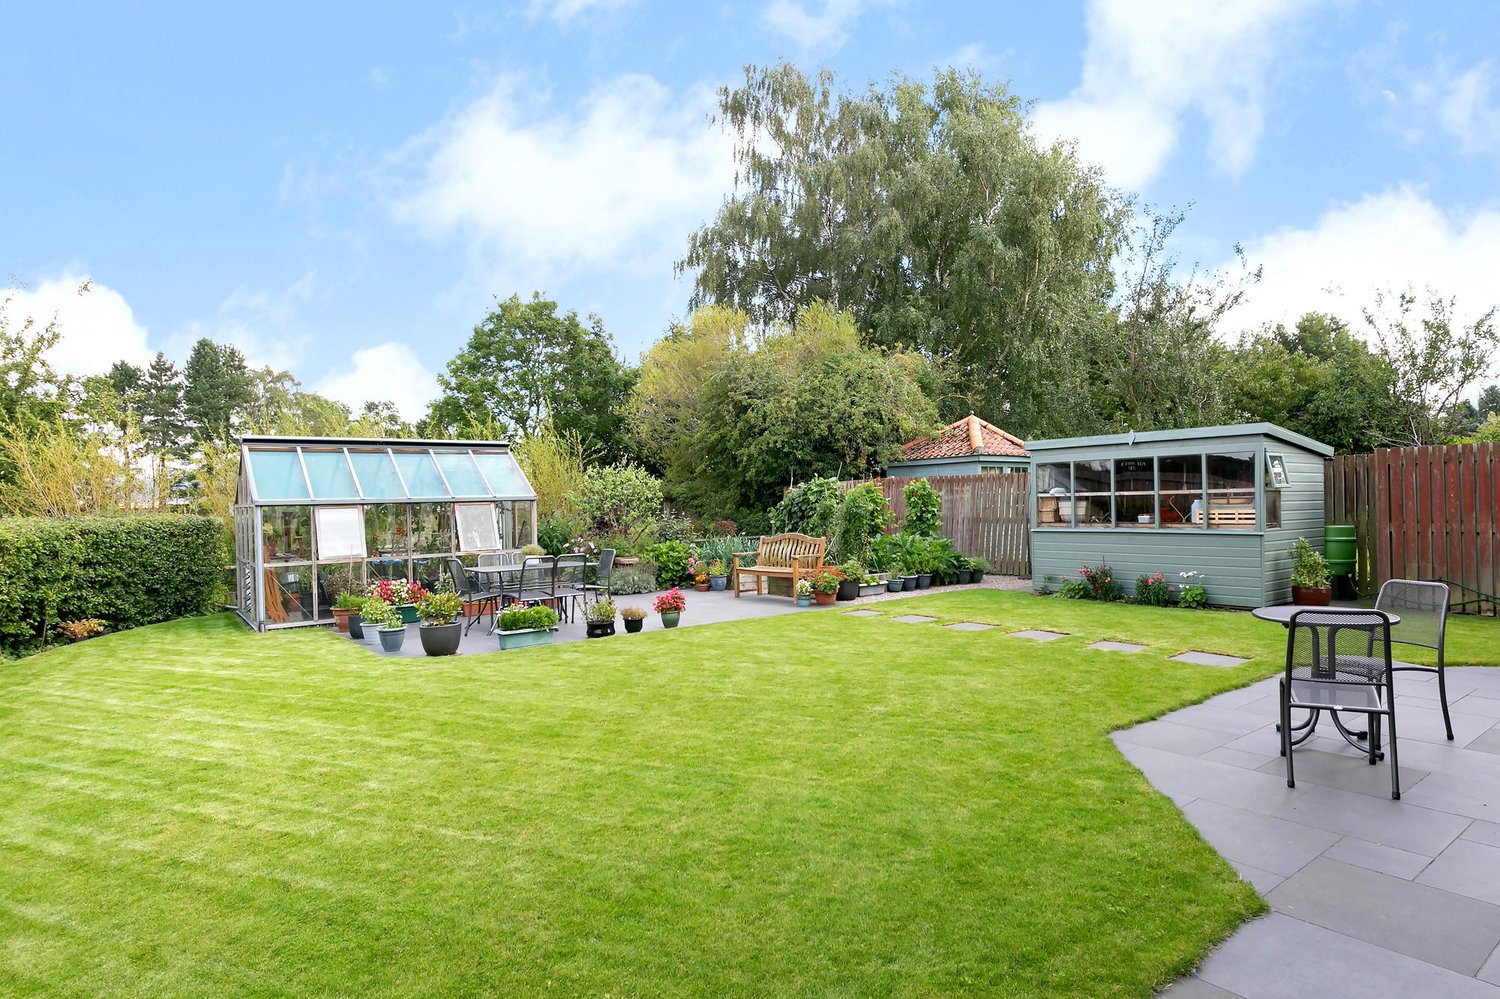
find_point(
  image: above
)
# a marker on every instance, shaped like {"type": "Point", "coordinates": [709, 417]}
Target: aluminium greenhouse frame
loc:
{"type": "Point", "coordinates": [317, 515]}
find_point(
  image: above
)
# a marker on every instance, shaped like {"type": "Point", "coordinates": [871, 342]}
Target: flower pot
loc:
{"type": "Point", "coordinates": [669, 619]}
{"type": "Point", "coordinates": [1310, 597]}
{"type": "Point", "coordinates": [895, 585]}
{"type": "Point", "coordinates": [391, 639]}
{"type": "Point", "coordinates": [908, 582]}
{"type": "Point", "coordinates": [634, 624]}
{"type": "Point", "coordinates": [599, 629]}
{"type": "Point", "coordinates": [341, 619]}
{"type": "Point", "coordinates": [525, 637]}
{"type": "Point", "coordinates": [804, 601]}
{"type": "Point", "coordinates": [965, 576]}
{"type": "Point", "coordinates": [824, 599]}
{"type": "Point", "coordinates": [848, 589]}
{"type": "Point", "coordinates": [717, 582]}
{"type": "Point", "coordinates": [441, 639]}
{"type": "Point", "coordinates": [701, 587]}
{"type": "Point", "coordinates": [356, 627]}
{"type": "Point", "coordinates": [408, 613]}
{"type": "Point", "coordinates": [870, 589]}
{"type": "Point", "coordinates": [924, 580]}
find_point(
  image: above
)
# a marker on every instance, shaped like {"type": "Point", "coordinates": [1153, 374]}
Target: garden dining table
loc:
{"type": "Point", "coordinates": [498, 572]}
{"type": "Point", "coordinates": [1282, 614]}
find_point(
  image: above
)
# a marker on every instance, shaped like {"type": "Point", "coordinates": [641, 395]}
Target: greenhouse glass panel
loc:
{"type": "Point", "coordinates": [503, 474]}
{"type": "Point", "coordinates": [328, 473]}
{"type": "Point", "coordinates": [341, 532]}
{"type": "Point", "coordinates": [463, 478]}
{"type": "Point", "coordinates": [377, 475]}
{"type": "Point", "coordinates": [421, 475]}
{"type": "Point", "coordinates": [477, 531]}
{"type": "Point", "coordinates": [278, 476]}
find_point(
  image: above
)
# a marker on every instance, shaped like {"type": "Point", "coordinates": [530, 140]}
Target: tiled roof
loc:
{"type": "Point", "coordinates": [962, 438]}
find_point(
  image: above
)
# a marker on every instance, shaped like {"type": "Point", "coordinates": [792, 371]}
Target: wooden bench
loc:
{"type": "Point", "coordinates": [780, 556]}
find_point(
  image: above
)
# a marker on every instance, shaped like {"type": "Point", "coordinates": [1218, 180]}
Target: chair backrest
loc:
{"type": "Point", "coordinates": [537, 573]}
{"type": "Point", "coordinates": [491, 558]}
{"type": "Point", "coordinates": [1422, 608]}
{"type": "Point", "coordinates": [459, 576]}
{"type": "Point", "coordinates": [1338, 646]}
{"type": "Point", "coordinates": [571, 570]}
{"type": "Point", "coordinates": [605, 567]}
{"type": "Point", "coordinates": [781, 551]}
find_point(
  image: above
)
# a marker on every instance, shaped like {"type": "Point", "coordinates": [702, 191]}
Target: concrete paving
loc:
{"type": "Point", "coordinates": [1369, 896]}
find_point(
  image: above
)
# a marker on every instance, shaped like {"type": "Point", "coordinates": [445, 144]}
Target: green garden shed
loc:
{"type": "Point", "coordinates": [1228, 502]}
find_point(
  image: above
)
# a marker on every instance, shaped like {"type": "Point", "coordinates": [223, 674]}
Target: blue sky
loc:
{"type": "Point", "coordinates": [340, 189]}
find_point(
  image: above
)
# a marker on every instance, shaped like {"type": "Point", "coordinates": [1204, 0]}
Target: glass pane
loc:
{"type": "Point", "coordinates": [337, 579]}
{"type": "Point", "coordinates": [1135, 492]}
{"type": "Point", "coordinates": [385, 531]}
{"type": "Point", "coordinates": [431, 528]}
{"type": "Point", "coordinates": [428, 571]}
{"type": "Point", "coordinates": [286, 532]}
{"type": "Point", "coordinates": [521, 512]}
{"type": "Point", "coordinates": [1231, 491]}
{"type": "Point", "coordinates": [377, 476]}
{"type": "Point", "coordinates": [1054, 484]}
{"type": "Point", "coordinates": [385, 568]}
{"type": "Point", "coordinates": [421, 474]}
{"type": "Point", "coordinates": [1091, 487]}
{"type": "Point", "coordinates": [463, 478]}
{"type": "Point", "coordinates": [341, 532]}
{"type": "Point", "coordinates": [503, 474]}
{"type": "Point", "coordinates": [328, 474]}
{"type": "Point", "coordinates": [476, 527]}
{"type": "Point", "coordinates": [1273, 500]}
{"type": "Point", "coordinates": [278, 475]}
{"type": "Point", "coordinates": [1181, 490]}
{"type": "Point", "coordinates": [289, 594]}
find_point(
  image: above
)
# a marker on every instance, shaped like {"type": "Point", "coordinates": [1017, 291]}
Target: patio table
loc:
{"type": "Point", "coordinates": [499, 571]}
{"type": "Point", "coordinates": [1282, 614]}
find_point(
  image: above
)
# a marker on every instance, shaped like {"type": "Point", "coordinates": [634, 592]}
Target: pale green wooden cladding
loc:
{"type": "Point", "coordinates": [1171, 501]}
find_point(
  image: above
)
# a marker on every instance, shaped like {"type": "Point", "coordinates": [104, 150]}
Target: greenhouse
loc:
{"type": "Point", "coordinates": [315, 517]}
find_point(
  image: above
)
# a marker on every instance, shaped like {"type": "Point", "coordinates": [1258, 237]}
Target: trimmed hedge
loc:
{"type": "Point", "coordinates": [126, 571]}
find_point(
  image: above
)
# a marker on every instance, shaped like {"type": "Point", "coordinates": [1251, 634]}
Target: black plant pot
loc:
{"type": "Point", "coordinates": [599, 629]}
{"type": "Point", "coordinates": [924, 580]}
{"type": "Point", "coordinates": [849, 589]}
{"type": "Point", "coordinates": [965, 576]}
{"type": "Point", "coordinates": [908, 582]}
{"type": "Point", "coordinates": [356, 627]}
{"type": "Point", "coordinates": [441, 639]}
{"type": "Point", "coordinates": [634, 624]}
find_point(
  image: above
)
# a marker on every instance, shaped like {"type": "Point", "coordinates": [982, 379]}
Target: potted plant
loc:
{"type": "Point", "coordinates": [698, 569]}
{"type": "Point", "coordinates": [718, 575]}
{"type": "Point", "coordinates": [600, 620]}
{"type": "Point", "coordinates": [1310, 584]}
{"type": "Point", "coordinates": [670, 606]}
{"type": "Point", "coordinates": [826, 585]}
{"type": "Point", "coordinates": [391, 628]}
{"type": "Point", "coordinates": [440, 631]}
{"type": "Point", "coordinates": [400, 594]}
{"type": "Point", "coordinates": [979, 567]}
{"type": "Point", "coordinates": [521, 626]}
{"type": "Point", "coordinates": [849, 585]}
{"type": "Point", "coordinates": [345, 605]}
{"type": "Point", "coordinates": [870, 584]}
{"type": "Point", "coordinates": [895, 581]}
{"type": "Point", "coordinates": [634, 618]}
{"type": "Point", "coordinates": [804, 593]}
{"type": "Point", "coordinates": [965, 570]}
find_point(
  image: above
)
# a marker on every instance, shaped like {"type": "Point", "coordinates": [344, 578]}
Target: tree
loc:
{"type": "Point", "coordinates": [162, 426]}
{"type": "Point", "coordinates": [31, 393]}
{"type": "Point", "coordinates": [1435, 359]}
{"type": "Point", "coordinates": [525, 364]}
{"type": "Point", "coordinates": [217, 389]}
{"type": "Point", "coordinates": [1489, 401]}
{"type": "Point", "coordinates": [929, 213]}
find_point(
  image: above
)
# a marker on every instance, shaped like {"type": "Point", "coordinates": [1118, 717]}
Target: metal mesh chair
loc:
{"type": "Point", "coordinates": [1423, 610]}
{"type": "Point", "coordinates": [603, 574]}
{"type": "Point", "coordinates": [533, 584]}
{"type": "Point", "coordinates": [472, 588]}
{"type": "Point", "coordinates": [1340, 661]}
{"type": "Point", "coordinates": [570, 583]}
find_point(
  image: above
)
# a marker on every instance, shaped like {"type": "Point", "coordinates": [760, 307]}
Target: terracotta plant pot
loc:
{"type": "Point", "coordinates": [703, 586]}
{"type": "Point", "coordinates": [824, 599]}
{"type": "Point", "coordinates": [1308, 597]}
{"type": "Point", "coordinates": [341, 619]}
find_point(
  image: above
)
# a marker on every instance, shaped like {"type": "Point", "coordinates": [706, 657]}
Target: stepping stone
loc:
{"type": "Point", "coordinates": [913, 619]}
{"type": "Point", "coordinates": [1119, 647]}
{"type": "Point", "coordinates": [1039, 636]}
{"type": "Point", "coordinates": [968, 626]}
{"type": "Point", "coordinates": [862, 613]}
{"type": "Point", "coordinates": [1208, 659]}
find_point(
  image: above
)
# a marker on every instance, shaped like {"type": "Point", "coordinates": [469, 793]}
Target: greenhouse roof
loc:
{"type": "Point", "coordinates": [277, 471]}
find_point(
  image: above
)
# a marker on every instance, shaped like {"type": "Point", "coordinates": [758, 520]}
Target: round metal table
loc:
{"type": "Point", "coordinates": [1282, 614]}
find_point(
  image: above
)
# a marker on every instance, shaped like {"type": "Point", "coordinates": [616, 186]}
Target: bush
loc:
{"type": "Point", "coordinates": [518, 618]}
{"type": "Point", "coordinates": [554, 531]}
{"type": "Point", "coordinates": [1094, 583]}
{"type": "Point", "coordinates": [1194, 594]}
{"type": "Point", "coordinates": [810, 508]}
{"type": "Point", "coordinates": [632, 579]}
{"type": "Point", "coordinates": [863, 516]}
{"type": "Point", "coordinates": [1075, 589]}
{"type": "Point", "coordinates": [620, 499]}
{"type": "Point", "coordinates": [674, 526]}
{"type": "Point", "coordinates": [671, 560]}
{"type": "Point", "coordinates": [125, 571]}
{"type": "Point", "coordinates": [924, 509]}
{"type": "Point", "coordinates": [1153, 590]}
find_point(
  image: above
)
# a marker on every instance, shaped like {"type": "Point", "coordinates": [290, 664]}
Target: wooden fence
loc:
{"type": "Point", "coordinates": [984, 515]}
{"type": "Point", "coordinates": [1422, 513]}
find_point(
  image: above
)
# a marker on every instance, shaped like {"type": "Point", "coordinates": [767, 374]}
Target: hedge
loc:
{"type": "Point", "coordinates": [125, 571]}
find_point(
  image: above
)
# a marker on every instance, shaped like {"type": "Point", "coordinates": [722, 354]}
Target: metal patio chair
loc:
{"type": "Point", "coordinates": [1423, 610]}
{"type": "Point", "coordinates": [603, 574]}
{"type": "Point", "coordinates": [472, 588]}
{"type": "Point", "coordinates": [570, 583]}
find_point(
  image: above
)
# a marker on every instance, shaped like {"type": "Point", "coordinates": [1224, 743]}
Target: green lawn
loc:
{"type": "Point", "coordinates": [811, 804]}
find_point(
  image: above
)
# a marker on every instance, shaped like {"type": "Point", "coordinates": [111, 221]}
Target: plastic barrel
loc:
{"type": "Point", "coordinates": [1338, 548]}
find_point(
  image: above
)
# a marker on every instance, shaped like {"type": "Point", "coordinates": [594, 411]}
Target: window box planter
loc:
{"type": "Point", "coordinates": [391, 639]}
{"type": "Point", "coordinates": [441, 639]}
{"type": "Point", "coordinates": [870, 589]}
{"type": "Point", "coordinates": [408, 613]}
{"type": "Point", "coordinates": [525, 637]}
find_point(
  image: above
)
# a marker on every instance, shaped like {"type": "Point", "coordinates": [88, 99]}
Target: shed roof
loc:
{"type": "Point", "coordinates": [1186, 435]}
{"type": "Point", "coordinates": [302, 470]}
{"type": "Point", "coordinates": [963, 439]}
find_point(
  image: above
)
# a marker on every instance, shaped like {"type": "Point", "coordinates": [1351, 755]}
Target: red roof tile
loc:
{"type": "Point", "coordinates": [962, 438]}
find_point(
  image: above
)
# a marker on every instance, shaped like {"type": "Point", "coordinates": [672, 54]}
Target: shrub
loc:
{"type": "Point", "coordinates": [519, 618]}
{"type": "Point", "coordinates": [924, 509]}
{"type": "Point", "coordinates": [725, 528]}
{"type": "Point", "coordinates": [671, 560]}
{"type": "Point", "coordinates": [633, 613]}
{"type": "Point", "coordinates": [125, 571]}
{"type": "Point", "coordinates": [1153, 590]}
{"type": "Point", "coordinates": [554, 531]}
{"type": "Point", "coordinates": [629, 580]}
{"type": "Point", "coordinates": [864, 515]}
{"type": "Point", "coordinates": [1311, 569]}
{"type": "Point", "coordinates": [620, 499]}
{"type": "Point", "coordinates": [1194, 594]}
{"type": "Point", "coordinates": [75, 631]}
{"type": "Point", "coordinates": [810, 508]}
{"type": "Point", "coordinates": [440, 607]}
{"type": "Point", "coordinates": [1093, 583]}
{"type": "Point", "coordinates": [674, 526]}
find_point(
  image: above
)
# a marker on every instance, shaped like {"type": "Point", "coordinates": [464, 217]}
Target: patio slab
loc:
{"type": "Point", "coordinates": [914, 619]}
{"type": "Point", "coordinates": [968, 626]}
{"type": "Point", "coordinates": [1038, 636]}
{"type": "Point", "coordinates": [1368, 895]}
{"type": "Point", "coordinates": [1209, 659]}
{"type": "Point", "coordinates": [1119, 647]}
{"type": "Point", "coordinates": [862, 613]}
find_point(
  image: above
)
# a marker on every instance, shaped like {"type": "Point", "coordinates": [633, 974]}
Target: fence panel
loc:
{"type": "Point", "coordinates": [984, 515]}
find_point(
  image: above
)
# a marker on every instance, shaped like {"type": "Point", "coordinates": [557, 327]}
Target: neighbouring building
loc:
{"type": "Point", "coordinates": [969, 446]}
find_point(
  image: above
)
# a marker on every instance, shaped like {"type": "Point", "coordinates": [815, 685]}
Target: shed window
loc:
{"type": "Point", "coordinates": [1135, 492]}
{"type": "Point", "coordinates": [1231, 491]}
{"type": "Point", "coordinates": [1054, 494]}
{"type": "Point", "coordinates": [1091, 493]}
{"type": "Point", "coordinates": [1181, 478]}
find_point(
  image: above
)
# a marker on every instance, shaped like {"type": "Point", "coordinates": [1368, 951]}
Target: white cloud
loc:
{"type": "Point", "coordinates": [1388, 240]}
{"type": "Point", "coordinates": [1147, 65]}
{"type": "Point", "coordinates": [623, 177]}
{"type": "Point", "coordinates": [263, 324]}
{"type": "Point", "coordinates": [98, 327]}
{"type": "Point", "coordinates": [1464, 104]}
{"type": "Point", "coordinates": [567, 12]}
{"type": "Point", "coordinates": [822, 30]}
{"type": "Point", "coordinates": [388, 371]}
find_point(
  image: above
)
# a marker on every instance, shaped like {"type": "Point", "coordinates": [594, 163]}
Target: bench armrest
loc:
{"type": "Point", "coordinates": [743, 554]}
